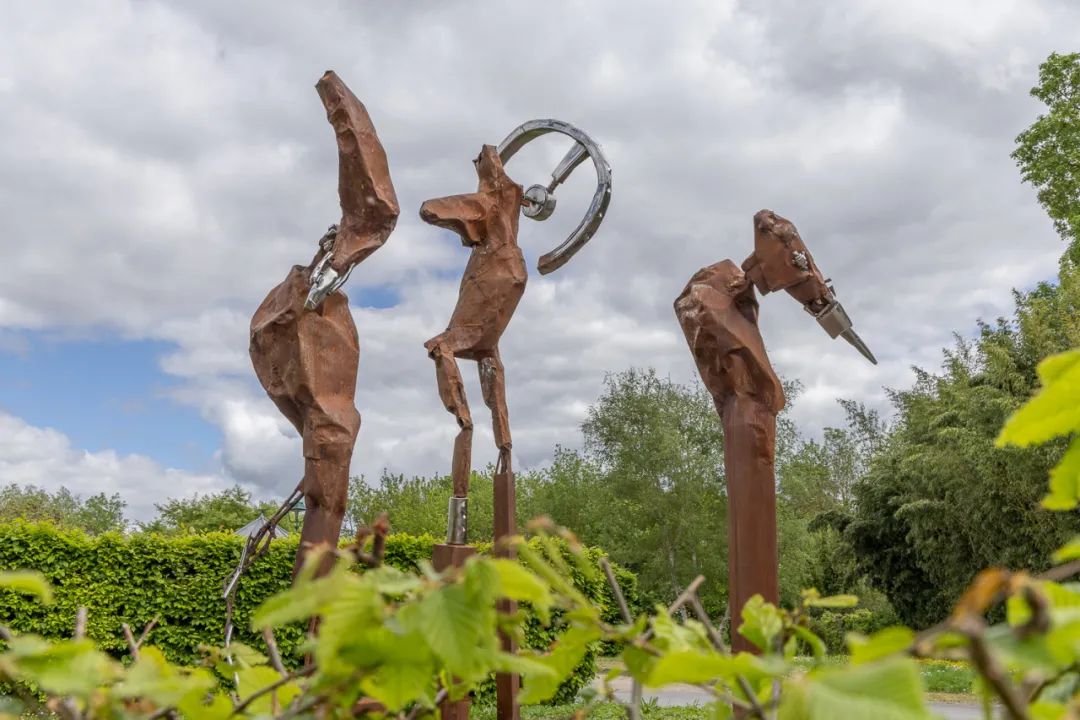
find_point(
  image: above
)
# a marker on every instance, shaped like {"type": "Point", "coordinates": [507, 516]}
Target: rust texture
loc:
{"type": "Point", "coordinates": [494, 280]}
{"type": "Point", "coordinates": [718, 312]}
{"type": "Point", "coordinates": [307, 360]}
{"type": "Point", "coordinates": [491, 287]}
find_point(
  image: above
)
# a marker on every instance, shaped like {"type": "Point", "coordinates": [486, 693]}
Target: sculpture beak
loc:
{"type": "Point", "coordinates": [852, 337]}
{"type": "Point", "coordinates": [834, 319]}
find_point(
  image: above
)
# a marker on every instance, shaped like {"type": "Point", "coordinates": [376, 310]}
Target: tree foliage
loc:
{"type": "Point", "coordinates": [223, 511]}
{"type": "Point", "coordinates": [96, 514]}
{"type": "Point", "coordinates": [1048, 152]}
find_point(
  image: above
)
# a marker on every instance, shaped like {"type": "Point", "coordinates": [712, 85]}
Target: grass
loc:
{"type": "Point", "coordinates": [603, 711]}
{"type": "Point", "coordinates": [940, 677]}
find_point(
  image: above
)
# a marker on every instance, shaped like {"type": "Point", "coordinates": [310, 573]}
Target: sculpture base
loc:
{"type": "Point", "coordinates": [444, 556]}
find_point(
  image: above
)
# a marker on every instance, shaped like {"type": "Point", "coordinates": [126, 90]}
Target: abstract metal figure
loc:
{"type": "Point", "coordinates": [491, 287]}
{"type": "Point", "coordinates": [718, 313]}
{"type": "Point", "coordinates": [494, 281]}
{"type": "Point", "coordinates": [304, 344]}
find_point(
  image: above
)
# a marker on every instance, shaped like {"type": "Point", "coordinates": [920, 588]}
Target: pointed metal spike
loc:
{"type": "Point", "coordinates": [852, 337]}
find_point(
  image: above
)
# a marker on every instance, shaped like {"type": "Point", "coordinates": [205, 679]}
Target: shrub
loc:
{"type": "Point", "coordinates": [179, 580]}
{"type": "Point", "coordinates": [833, 626]}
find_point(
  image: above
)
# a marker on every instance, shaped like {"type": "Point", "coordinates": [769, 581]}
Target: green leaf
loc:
{"type": "Point", "coordinates": [1065, 481]}
{"type": "Point", "coordinates": [391, 581]}
{"type": "Point", "coordinates": [833, 601]}
{"type": "Point", "coordinates": [691, 666]}
{"type": "Point", "coordinates": [217, 707]}
{"type": "Point", "coordinates": [154, 679]}
{"type": "Point", "coordinates": [1054, 410]}
{"type": "Point", "coordinates": [245, 655]}
{"type": "Point", "coordinates": [302, 601]}
{"type": "Point", "coordinates": [816, 644]}
{"type": "Point", "coordinates": [254, 679]}
{"type": "Point", "coordinates": [565, 656]}
{"type": "Point", "coordinates": [517, 583]}
{"type": "Point", "coordinates": [888, 690]}
{"type": "Point", "coordinates": [1048, 711]}
{"type": "Point", "coordinates": [1069, 551]}
{"type": "Point", "coordinates": [762, 622]}
{"type": "Point", "coordinates": [28, 582]}
{"type": "Point", "coordinates": [881, 644]}
{"type": "Point", "coordinates": [71, 667]}
{"type": "Point", "coordinates": [399, 684]}
{"type": "Point", "coordinates": [460, 632]}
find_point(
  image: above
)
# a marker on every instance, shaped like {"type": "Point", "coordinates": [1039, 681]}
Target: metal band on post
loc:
{"type": "Point", "coordinates": [457, 521]}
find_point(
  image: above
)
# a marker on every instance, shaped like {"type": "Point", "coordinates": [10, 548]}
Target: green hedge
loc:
{"type": "Point", "coordinates": [179, 579]}
{"type": "Point", "coordinates": [833, 626]}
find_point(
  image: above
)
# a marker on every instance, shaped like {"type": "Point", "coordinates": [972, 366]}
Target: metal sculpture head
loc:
{"type": "Point", "coordinates": [539, 201]}
{"type": "Point", "coordinates": [781, 261]}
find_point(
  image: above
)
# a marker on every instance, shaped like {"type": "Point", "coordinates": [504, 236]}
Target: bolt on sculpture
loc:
{"type": "Point", "coordinates": [304, 344]}
{"type": "Point", "coordinates": [491, 287]}
{"type": "Point", "coordinates": [718, 313]}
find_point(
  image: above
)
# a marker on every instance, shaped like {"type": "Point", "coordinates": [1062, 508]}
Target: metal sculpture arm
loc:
{"type": "Point", "coordinates": [540, 200]}
{"type": "Point", "coordinates": [781, 261]}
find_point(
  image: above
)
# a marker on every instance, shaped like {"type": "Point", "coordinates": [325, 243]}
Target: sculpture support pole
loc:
{"type": "Point", "coordinates": [506, 685]}
{"type": "Point", "coordinates": [749, 463]}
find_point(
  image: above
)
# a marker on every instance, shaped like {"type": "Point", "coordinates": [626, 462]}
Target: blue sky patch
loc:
{"type": "Point", "coordinates": [105, 393]}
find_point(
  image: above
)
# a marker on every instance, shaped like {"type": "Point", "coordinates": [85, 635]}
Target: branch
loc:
{"type": "Point", "coordinates": [133, 645]}
{"type": "Point", "coordinates": [616, 590]}
{"type": "Point", "coordinates": [683, 598]}
{"type": "Point", "coordinates": [714, 636]}
{"type": "Point", "coordinates": [146, 631]}
{"type": "Point", "coordinates": [439, 697]}
{"type": "Point", "coordinates": [80, 623]}
{"type": "Point", "coordinates": [990, 669]}
{"type": "Point", "coordinates": [272, 649]}
{"type": "Point", "coordinates": [309, 670]}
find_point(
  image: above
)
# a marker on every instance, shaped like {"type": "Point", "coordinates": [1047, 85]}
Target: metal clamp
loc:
{"type": "Point", "coordinates": [835, 321]}
{"type": "Point", "coordinates": [457, 521]}
{"type": "Point", "coordinates": [540, 200]}
{"type": "Point", "coordinates": [325, 279]}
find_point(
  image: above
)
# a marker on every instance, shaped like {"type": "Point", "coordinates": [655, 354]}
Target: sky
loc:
{"type": "Point", "coordinates": [164, 164]}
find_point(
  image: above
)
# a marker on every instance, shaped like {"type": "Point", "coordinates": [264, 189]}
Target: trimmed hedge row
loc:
{"type": "Point", "coordinates": [179, 580]}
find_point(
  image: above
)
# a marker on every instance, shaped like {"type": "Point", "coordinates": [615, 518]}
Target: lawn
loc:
{"type": "Point", "coordinates": [938, 676]}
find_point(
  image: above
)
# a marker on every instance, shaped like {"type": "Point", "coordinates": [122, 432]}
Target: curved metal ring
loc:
{"type": "Point", "coordinates": [584, 147]}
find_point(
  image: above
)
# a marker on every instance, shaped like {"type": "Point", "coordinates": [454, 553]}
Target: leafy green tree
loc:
{"type": "Point", "coordinates": [417, 505]}
{"type": "Point", "coordinates": [1048, 152]}
{"type": "Point", "coordinates": [97, 514]}
{"type": "Point", "coordinates": [222, 511]}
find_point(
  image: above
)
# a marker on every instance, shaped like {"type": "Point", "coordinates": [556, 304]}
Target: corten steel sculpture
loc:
{"type": "Point", "coordinates": [493, 283]}
{"type": "Point", "coordinates": [718, 313]}
{"type": "Point", "coordinates": [304, 344]}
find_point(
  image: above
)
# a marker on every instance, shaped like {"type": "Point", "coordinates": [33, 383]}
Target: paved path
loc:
{"type": "Point", "coordinates": [689, 695]}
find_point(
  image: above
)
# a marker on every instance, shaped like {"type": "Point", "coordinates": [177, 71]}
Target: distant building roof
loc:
{"type": "Point", "coordinates": [253, 527]}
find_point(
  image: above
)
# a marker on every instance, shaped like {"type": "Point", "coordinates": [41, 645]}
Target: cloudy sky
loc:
{"type": "Point", "coordinates": [163, 164]}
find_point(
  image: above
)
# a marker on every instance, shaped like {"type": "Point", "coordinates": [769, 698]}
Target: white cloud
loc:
{"type": "Point", "coordinates": [44, 457]}
{"type": "Point", "coordinates": [163, 164]}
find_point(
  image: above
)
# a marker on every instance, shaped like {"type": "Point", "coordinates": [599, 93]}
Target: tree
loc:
{"type": "Point", "coordinates": [97, 514]}
{"type": "Point", "coordinates": [418, 505]}
{"type": "Point", "coordinates": [1048, 152]}
{"type": "Point", "coordinates": [222, 511]}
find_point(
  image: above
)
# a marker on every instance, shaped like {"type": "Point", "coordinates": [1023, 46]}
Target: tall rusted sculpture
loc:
{"type": "Point", "coordinates": [493, 283]}
{"type": "Point", "coordinates": [304, 343]}
{"type": "Point", "coordinates": [718, 313]}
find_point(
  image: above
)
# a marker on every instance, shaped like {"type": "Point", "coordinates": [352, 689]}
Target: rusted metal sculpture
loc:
{"type": "Point", "coordinates": [493, 283]}
{"type": "Point", "coordinates": [718, 313]}
{"type": "Point", "coordinates": [304, 344]}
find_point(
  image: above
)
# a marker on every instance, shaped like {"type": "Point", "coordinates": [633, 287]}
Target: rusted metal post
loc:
{"type": "Point", "coordinates": [506, 685]}
{"type": "Point", "coordinates": [718, 312]}
{"type": "Point", "coordinates": [749, 454]}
